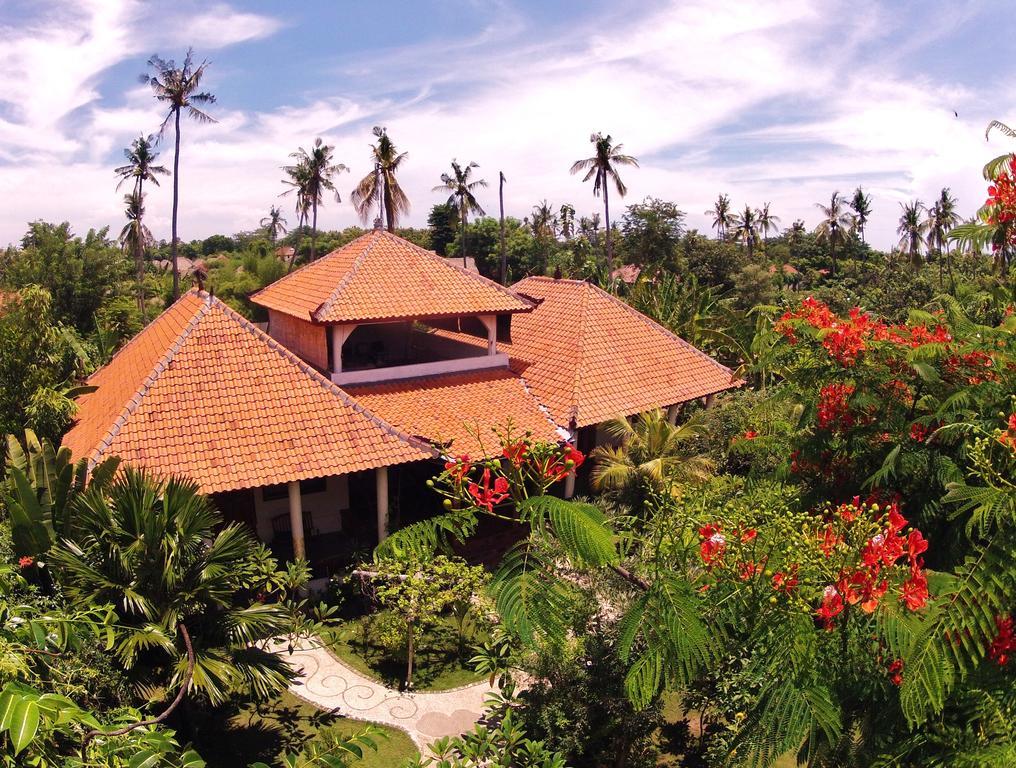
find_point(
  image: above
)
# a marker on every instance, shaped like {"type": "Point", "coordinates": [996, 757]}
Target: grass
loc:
{"type": "Point", "coordinates": [249, 733]}
{"type": "Point", "coordinates": [438, 665]}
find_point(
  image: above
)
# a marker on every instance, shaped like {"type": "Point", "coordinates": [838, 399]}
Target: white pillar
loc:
{"type": "Point", "coordinates": [569, 485]}
{"type": "Point", "coordinates": [672, 412]}
{"type": "Point", "coordinates": [709, 400]}
{"type": "Point", "coordinates": [296, 519]}
{"type": "Point", "coordinates": [381, 478]}
{"type": "Point", "coordinates": [490, 322]}
{"type": "Point", "coordinates": [337, 337]}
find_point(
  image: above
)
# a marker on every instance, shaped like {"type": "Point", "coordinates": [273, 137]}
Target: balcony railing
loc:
{"type": "Point", "coordinates": [416, 370]}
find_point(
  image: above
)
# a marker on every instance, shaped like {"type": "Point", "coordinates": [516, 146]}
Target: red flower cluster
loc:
{"type": "Point", "coordinates": [895, 671]}
{"type": "Point", "coordinates": [516, 452]}
{"type": "Point", "coordinates": [1008, 436]}
{"type": "Point", "coordinates": [785, 582]}
{"type": "Point", "coordinates": [26, 562]}
{"type": "Point", "coordinates": [557, 468]}
{"type": "Point", "coordinates": [487, 496]}
{"type": "Point", "coordinates": [1001, 202]}
{"type": "Point", "coordinates": [750, 434]}
{"type": "Point", "coordinates": [1004, 642]}
{"type": "Point", "coordinates": [919, 433]}
{"type": "Point", "coordinates": [458, 468]}
{"type": "Point", "coordinates": [713, 544]}
{"type": "Point", "coordinates": [833, 407]}
{"type": "Point", "coordinates": [832, 606]}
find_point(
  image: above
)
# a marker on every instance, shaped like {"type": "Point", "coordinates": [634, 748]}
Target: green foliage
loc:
{"type": "Point", "coordinates": [651, 232]}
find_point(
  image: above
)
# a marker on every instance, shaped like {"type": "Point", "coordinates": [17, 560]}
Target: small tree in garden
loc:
{"type": "Point", "coordinates": [419, 591]}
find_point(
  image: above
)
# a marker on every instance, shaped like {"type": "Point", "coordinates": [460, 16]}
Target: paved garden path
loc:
{"type": "Point", "coordinates": [327, 682]}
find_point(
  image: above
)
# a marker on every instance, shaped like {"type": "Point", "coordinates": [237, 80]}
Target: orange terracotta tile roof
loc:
{"type": "Point", "coordinates": [589, 357]}
{"type": "Point", "coordinates": [203, 393]}
{"type": "Point", "coordinates": [460, 411]}
{"type": "Point", "coordinates": [380, 276]}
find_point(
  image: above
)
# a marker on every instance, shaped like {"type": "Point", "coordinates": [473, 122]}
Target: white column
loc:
{"type": "Point", "coordinates": [381, 478]}
{"type": "Point", "coordinates": [490, 322]}
{"type": "Point", "coordinates": [569, 485]}
{"type": "Point", "coordinates": [296, 519]}
{"type": "Point", "coordinates": [672, 412]}
{"type": "Point", "coordinates": [709, 400]}
{"type": "Point", "coordinates": [337, 337]}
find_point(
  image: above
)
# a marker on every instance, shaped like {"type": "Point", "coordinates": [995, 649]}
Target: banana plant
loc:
{"type": "Point", "coordinates": [41, 483]}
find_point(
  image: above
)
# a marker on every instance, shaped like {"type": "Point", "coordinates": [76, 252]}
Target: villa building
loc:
{"type": "Point", "coordinates": [379, 359]}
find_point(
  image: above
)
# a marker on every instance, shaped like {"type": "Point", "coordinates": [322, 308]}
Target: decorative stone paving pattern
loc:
{"type": "Point", "coordinates": [325, 681]}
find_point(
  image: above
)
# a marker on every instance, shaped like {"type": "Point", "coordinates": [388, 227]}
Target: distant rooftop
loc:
{"type": "Point", "coordinates": [380, 276]}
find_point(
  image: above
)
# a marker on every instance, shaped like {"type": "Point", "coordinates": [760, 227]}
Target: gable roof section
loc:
{"type": "Point", "coordinates": [203, 393]}
{"type": "Point", "coordinates": [380, 276]}
{"type": "Point", "coordinates": [589, 357]}
{"type": "Point", "coordinates": [462, 412]}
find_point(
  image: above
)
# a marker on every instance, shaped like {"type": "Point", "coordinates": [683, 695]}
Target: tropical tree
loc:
{"type": "Point", "coordinates": [135, 238]}
{"type": "Point", "coordinates": [566, 217]}
{"type": "Point", "coordinates": [836, 224]}
{"type": "Point", "coordinates": [602, 168]}
{"type": "Point", "coordinates": [178, 87]}
{"type": "Point", "coordinates": [861, 205]}
{"type": "Point", "coordinates": [722, 215]}
{"type": "Point", "coordinates": [380, 188]}
{"type": "Point", "coordinates": [274, 224]}
{"type": "Point", "coordinates": [942, 217]}
{"type": "Point", "coordinates": [912, 230]}
{"type": "Point", "coordinates": [311, 176]}
{"type": "Point", "coordinates": [461, 194]}
{"type": "Point", "coordinates": [746, 228]}
{"type": "Point", "coordinates": [650, 453]}
{"type": "Point", "coordinates": [767, 222]}
{"type": "Point", "coordinates": [185, 584]}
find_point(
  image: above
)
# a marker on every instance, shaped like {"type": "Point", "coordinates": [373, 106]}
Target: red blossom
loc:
{"type": "Point", "coordinates": [832, 606]}
{"type": "Point", "coordinates": [516, 452]}
{"type": "Point", "coordinates": [786, 581]}
{"type": "Point", "coordinates": [750, 434]}
{"type": "Point", "coordinates": [26, 562]}
{"type": "Point", "coordinates": [713, 544]}
{"type": "Point", "coordinates": [895, 671]}
{"type": "Point", "coordinates": [915, 590]}
{"type": "Point", "coordinates": [487, 496]}
{"type": "Point", "coordinates": [1004, 643]}
{"type": "Point", "coordinates": [458, 468]}
{"type": "Point", "coordinates": [833, 408]}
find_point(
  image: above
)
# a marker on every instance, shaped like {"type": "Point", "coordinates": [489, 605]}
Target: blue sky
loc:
{"type": "Point", "coordinates": [781, 102]}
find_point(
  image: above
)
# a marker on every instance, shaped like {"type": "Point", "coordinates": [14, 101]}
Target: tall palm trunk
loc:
{"type": "Point", "coordinates": [296, 245]}
{"type": "Point", "coordinates": [139, 259]}
{"type": "Point", "coordinates": [389, 208]}
{"type": "Point", "coordinates": [463, 207]}
{"type": "Point", "coordinates": [606, 218]}
{"type": "Point", "coordinates": [504, 251]}
{"type": "Point", "coordinates": [313, 231]}
{"type": "Point", "coordinates": [176, 203]}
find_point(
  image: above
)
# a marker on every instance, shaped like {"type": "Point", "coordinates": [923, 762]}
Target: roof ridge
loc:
{"type": "Point", "coordinates": [308, 264]}
{"type": "Point", "coordinates": [653, 324]}
{"type": "Point", "coordinates": [472, 275]}
{"type": "Point", "coordinates": [317, 376]}
{"type": "Point", "coordinates": [134, 402]}
{"type": "Point", "coordinates": [325, 305]}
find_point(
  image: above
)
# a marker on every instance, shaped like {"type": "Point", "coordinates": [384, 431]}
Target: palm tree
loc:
{"type": "Point", "coordinates": [942, 217]}
{"type": "Point", "coordinates": [722, 216]}
{"type": "Point", "coordinates": [460, 190]}
{"type": "Point", "coordinates": [912, 230]}
{"type": "Point", "coordinates": [298, 175]}
{"type": "Point", "coordinates": [380, 187]}
{"type": "Point", "coordinates": [159, 552]}
{"type": "Point", "coordinates": [135, 238]}
{"type": "Point", "coordinates": [274, 224]}
{"type": "Point", "coordinates": [836, 224]}
{"type": "Point", "coordinates": [311, 176]}
{"type": "Point", "coordinates": [746, 228]}
{"type": "Point", "coordinates": [140, 168]}
{"type": "Point", "coordinates": [767, 222]}
{"type": "Point", "coordinates": [651, 454]}
{"type": "Point", "coordinates": [566, 215]}
{"type": "Point", "coordinates": [602, 167]}
{"type": "Point", "coordinates": [861, 204]}
{"type": "Point", "coordinates": [178, 87]}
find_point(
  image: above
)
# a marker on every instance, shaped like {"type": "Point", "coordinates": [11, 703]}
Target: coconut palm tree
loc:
{"type": "Point", "coordinates": [135, 238]}
{"type": "Point", "coordinates": [298, 183]}
{"type": "Point", "coordinates": [942, 217]}
{"type": "Point", "coordinates": [274, 224]}
{"type": "Point", "coordinates": [178, 87]}
{"type": "Point", "coordinates": [767, 222]}
{"type": "Point", "coordinates": [159, 552]}
{"type": "Point", "coordinates": [912, 229]}
{"type": "Point", "coordinates": [380, 187]}
{"type": "Point", "coordinates": [722, 216]}
{"type": "Point", "coordinates": [460, 190]}
{"type": "Point", "coordinates": [745, 228]}
{"type": "Point", "coordinates": [140, 167]}
{"type": "Point", "coordinates": [602, 167]}
{"type": "Point", "coordinates": [311, 176]}
{"type": "Point", "coordinates": [650, 454]}
{"type": "Point", "coordinates": [566, 216]}
{"type": "Point", "coordinates": [836, 225]}
{"type": "Point", "coordinates": [861, 205]}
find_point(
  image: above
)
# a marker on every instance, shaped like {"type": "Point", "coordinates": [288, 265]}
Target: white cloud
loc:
{"type": "Point", "coordinates": [689, 88]}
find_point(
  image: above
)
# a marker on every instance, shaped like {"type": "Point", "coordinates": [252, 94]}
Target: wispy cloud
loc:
{"type": "Point", "coordinates": [783, 104]}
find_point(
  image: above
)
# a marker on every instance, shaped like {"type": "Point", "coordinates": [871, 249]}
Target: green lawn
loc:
{"type": "Point", "coordinates": [438, 665]}
{"type": "Point", "coordinates": [246, 734]}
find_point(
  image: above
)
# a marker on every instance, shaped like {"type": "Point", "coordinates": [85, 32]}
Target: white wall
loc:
{"type": "Point", "coordinates": [324, 508]}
